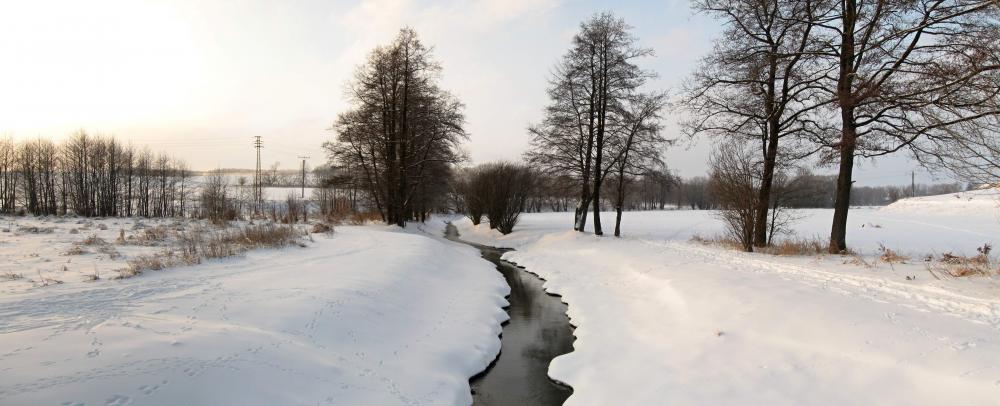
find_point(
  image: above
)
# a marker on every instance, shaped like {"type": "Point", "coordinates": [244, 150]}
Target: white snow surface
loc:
{"type": "Point", "coordinates": [366, 316]}
{"type": "Point", "coordinates": [663, 320]}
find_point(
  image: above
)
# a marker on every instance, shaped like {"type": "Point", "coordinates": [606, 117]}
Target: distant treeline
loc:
{"type": "Point", "coordinates": [90, 175]}
{"type": "Point", "coordinates": [659, 189]}
{"type": "Point", "coordinates": [806, 190]}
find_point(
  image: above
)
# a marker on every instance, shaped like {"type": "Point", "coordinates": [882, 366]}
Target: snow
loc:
{"type": "Point", "coordinates": [663, 320]}
{"type": "Point", "coordinates": [377, 315]}
{"type": "Point", "coordinates": [368, 315]}
{"type": "Point", "coordinates": [972, 204]}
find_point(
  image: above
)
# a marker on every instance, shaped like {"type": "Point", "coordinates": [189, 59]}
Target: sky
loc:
{"type": "Point", "coordinates": [199, 79]}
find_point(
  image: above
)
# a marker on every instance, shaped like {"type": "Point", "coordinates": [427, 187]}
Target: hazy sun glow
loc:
{"type": "Point", "coordinates": [92, 64]}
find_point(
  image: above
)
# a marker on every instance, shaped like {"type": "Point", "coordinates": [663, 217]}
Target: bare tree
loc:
{"type": "Point", "coordinates": [910, 75]}
{"type": "Point", "coordinates": [401, 136]}
{"type": "Point", "coordinates": [597, 75]}
{"type": "Point", "coordinates": [639, 144]}
{"type": "Point", "coordinates": [762, 81]}
{"type": "Point", "coordinates": [8, 175]}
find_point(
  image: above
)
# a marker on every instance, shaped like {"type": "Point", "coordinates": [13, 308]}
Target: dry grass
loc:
{"type": "Point", "coordinates": [10, 276]}
{"type": "Point", "coordinates": [126, 273]}
{"type": "Point", "coordinates": [362, 218]}
{"type": "Point", "coordinates": [960, 266]}
{"type": "Point", "coordinates": [75, 250]}
{"type": "Point", "coordinates": [322, 228]}
{"type": "Point", "coordinates": [858, 260]}
{"type": "Point", "coordinates": [721, 241]}
{"type": "Point", "coordinates": [92, 277]}
{"type": "Point", "coordinates": [35, 230]}
{"type": "Point", "coordinates": [93, 239]}
{"type": "Point", "coordinates": [785, 247]}
{"type": "Point", "coordinates": [110, 251]}
{"type": "Point", "coordinates": [43, 281]}
{"type": "Point", "coordinates": [796, 247]}
{"type": "Point", "coordinates": [153, 235]}
{"type": "Point", "coordinates": [889, 256]}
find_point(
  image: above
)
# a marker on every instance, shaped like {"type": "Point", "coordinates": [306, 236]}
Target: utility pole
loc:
{"type": "Point", "coordinates": [303, 158]}
{"type": "Point", "coordinates": [257, 195]}
{"type": "Point", "coordinates": [913, 184]}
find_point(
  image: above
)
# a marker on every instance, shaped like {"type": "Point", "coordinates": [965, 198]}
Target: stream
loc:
{"type": "Point", "coordinates": [537, 332]}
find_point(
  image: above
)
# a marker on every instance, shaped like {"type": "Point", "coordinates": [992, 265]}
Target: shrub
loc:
{"type": "Point", "coordinates": [889, 256]}
{"type": "Point", "coordinates": [322, 228]}
{"type": "Point", "coordinates": [75, 250]}
{"type": "Point", "coordinates": [735, 179]}
{"type": "Point", "coordinates": [93, 239]}
{"type": "Point", "coordinates": [498, 190]}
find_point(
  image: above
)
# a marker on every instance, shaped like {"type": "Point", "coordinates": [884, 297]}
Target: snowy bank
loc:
{"type": "Point", "coordinates": [365, 316]}
{"type": "Point", "coordinates": [662, 320]}
{"type": "Point", "coordinates": [971, 204]}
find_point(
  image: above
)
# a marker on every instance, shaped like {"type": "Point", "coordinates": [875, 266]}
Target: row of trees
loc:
{"type": "Point", "coordinates": [847, 79]}
{"type": "Point", "coordinates": [90, 176]}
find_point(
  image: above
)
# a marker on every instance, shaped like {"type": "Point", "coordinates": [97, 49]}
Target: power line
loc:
{"type": "Point", "coordinates": [257, 194]}
{"type": "Point", "coordinates": [304, 158]}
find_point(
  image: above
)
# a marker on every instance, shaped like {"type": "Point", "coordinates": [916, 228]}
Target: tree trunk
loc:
{"type": "Point", "coordinates": [620, 203]}
{"type": "Point", "coordinates": [764, 196]}
{"type": "Point", "coordinates": [838, 233]}
{"type": "Point", "coordinates": [849, 135]}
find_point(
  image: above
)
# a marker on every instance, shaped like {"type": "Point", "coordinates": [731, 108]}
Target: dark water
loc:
{"type": "Point", "coordinates": [538, 331]}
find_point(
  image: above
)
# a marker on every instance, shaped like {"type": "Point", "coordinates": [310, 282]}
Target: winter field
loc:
{"type": "Point", "coordinates": [375, 315]}
{"type": "Point", "coordinates": [366, 315]}
{"type": "Point", "coordinates": [664, 320]}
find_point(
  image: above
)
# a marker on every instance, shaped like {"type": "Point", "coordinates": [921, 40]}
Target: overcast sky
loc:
{"type": "Point", "coordinates": [199, 79]}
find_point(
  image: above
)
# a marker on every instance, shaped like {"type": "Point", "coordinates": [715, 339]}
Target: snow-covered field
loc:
{"type": "Point", "coordinates": [663, 320]}
{"type": "Point", "coordinates": [366, 316]}
{"type": "Point", "coordinates": [374, 315]}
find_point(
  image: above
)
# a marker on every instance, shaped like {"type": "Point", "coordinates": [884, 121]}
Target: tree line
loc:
{"type": "Point", "coordinates": [90, 175]}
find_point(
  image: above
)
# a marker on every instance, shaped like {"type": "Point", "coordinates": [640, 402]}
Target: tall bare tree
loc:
{"type": "Point", "coordinates": [402, 133]}
{"type": "Point", "coordinates": [591, 81]}
{"type": "Point", "coordinates": [762, 81]}
{"type": "Point", "coordinates": [910, 75]}
{"type": "Point", "coordinates": [639, 144]}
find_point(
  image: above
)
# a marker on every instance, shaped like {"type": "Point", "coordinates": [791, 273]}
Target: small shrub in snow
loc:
{"type": "Point", "coordinates": [75, 250]}
{"type": "Point", "coordinates": [93, 277]}
{"type": "Point", "coordinates": [960, 266]}
{"type": "Point", "coordinates": [93, 239]}
{"type": "Point", "coordinates": [102, 226]}
{"type": "Point", "coordinates": [126, 273]}
{"type": "Point", "coordinates": [110, 251]}
{"type": "Point", "coordinates": [10, 276]}
{"type": "Point", "coordinates": [889, 256]}
{"type": "Point", "coordinates": [322, 228]}
{"type": "Point", "coordinates": [153, 235]}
